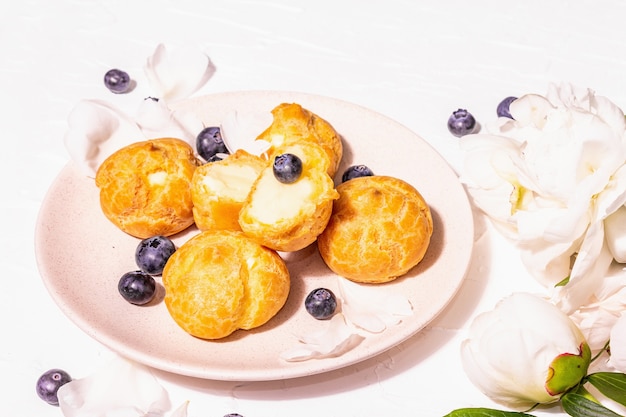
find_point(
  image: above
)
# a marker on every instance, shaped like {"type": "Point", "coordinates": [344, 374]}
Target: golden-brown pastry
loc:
{"type": "Point", "coordinates": [294, 124]}
{"type": "Point", "coordinates": [220, 281]}
{"type": "Point", "coordinates": [218, 190]}
{"type": "Point", "coordinates": [289, 217]}
{"type": "Point", "coordinates": [145, 187]}
{"type": "Point", "coordinates": [380, 229]}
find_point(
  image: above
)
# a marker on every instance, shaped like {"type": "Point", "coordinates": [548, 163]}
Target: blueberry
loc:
{"type": "Point", "coordinates": [321, 303]}
{"type": "Point", "coordinates": [152, 254]}
{"type": "Point", "coordinates": [117, 81]}
{"type": "Point", "coordinates": [287, 168]}
{"type": "Point", "coordinates": [137, 287]}
{"type": "Point", "coordinates": [209, 143]}
{"type": "Point", "coordinates": [461, 122]}
{"type": "Point", "coordinates": [49, 383]}
{"type": "Point", "coordinates": [356, 171]}
{"type": "Point", "coordinates": [503, 107]}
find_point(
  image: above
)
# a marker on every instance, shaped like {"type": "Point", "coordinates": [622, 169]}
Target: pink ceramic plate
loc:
{"type": "Point", "coordinates": [81, 256]}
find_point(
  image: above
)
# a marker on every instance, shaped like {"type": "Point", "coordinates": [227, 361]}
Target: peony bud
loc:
{"type": "Point", "coordinates": [525, 352]}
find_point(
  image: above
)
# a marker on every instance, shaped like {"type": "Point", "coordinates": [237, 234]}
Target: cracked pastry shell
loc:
{"type": "Point", "coordinates": [294, 124]}
{"type": "Point", "coordinates": [380, 228]}
{"type": "Point", "coordinates": [220, 281]}
{"type": "Point", "coordinates": [145, 187]}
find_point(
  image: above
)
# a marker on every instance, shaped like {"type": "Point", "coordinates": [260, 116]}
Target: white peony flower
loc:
{"type": "Point", "coordinates": [618, 344]}
{"type": "Point", "coordinates": [549, 178]}
{"type": "Point", "coordinates": [524, 352]}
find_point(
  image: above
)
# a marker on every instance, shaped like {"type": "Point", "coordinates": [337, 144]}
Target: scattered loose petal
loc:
{"type": "Point", "coordinates": [334, 340]}
{"type": "Point", "coordinates": [177, 73]}
{"type": "Point", "coordinates": [370, 309]}
{"type": "Point", "coordinates": [157, 120]}
{"type": "Point", "coordinates": [96, 130]}
{"type": "Point", "coordinates": [241, 131]}
{"type": "Point", "coordinates": [181, 411]}
{"type": "Point", "coordinates": [122, 388]}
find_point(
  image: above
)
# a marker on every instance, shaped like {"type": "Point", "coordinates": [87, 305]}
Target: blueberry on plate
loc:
{"type": "Point", "coordinates": [209, 143]}
{"type": "Point", "coordinates": [49, 383]}
{"type": "Point", "coordinates": [137, 287]}
{"type": "Point", "coordinates": [153, 253]}
{"type": "Point", "coordinates": [287, 168]}
{"type": "Point", "coordinates": [321, 303]}
{"type": "Point", "coordinates": [461, 123]}
{"type": "Point", "coordinates": [356, 171]}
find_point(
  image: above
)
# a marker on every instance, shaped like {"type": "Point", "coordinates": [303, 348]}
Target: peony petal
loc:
{"type": "Point", "coordinates": [178, 73]}
{"type": "Point", "coordinates": [181, 411]}
{"type": "Point", "coordinates": [368, 308]}
{"type": "Point", "coordinates": [120, 388]}
{"type": "Point", "coordinates": [96, 130]}
{"type": "Point", "coordinates": [157, 120]}
{"type": "Point", "coordinates": [334, 340]}
{"type": "Point", "coordinates": [615, 230]}
{"type": "Point", "coordinates": [240, 131]}
{"type": "Point", "coordinates": [618, 344]}
{"type": "Point", "coordinates": [590, 267]}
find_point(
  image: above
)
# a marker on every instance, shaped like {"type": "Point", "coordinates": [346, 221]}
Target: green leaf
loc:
{"type": "Point", "coordinates": [611, 384]}
{"type": "Point", "coordinates": [484, 412]}
{"type": "Point", "coordinates": [577, 405]}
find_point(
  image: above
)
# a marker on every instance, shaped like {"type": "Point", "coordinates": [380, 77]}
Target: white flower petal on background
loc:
{"type": "Point", "coordinates": [122, 388]}
{"type": "Point", "coordinates": [338, 337]}
{"type": "Point", "coordinates": [157, 120]}
{"type": "Point", "coordinates": [177, 73]}
{"type": "Point", "coordinates": [240, 131]}
{"type": "Point", "coordinates": [368, 308]}
{"type": "Point", "coordinates": [618, 344]}
{"type": "Point", "coordinates": [510, 349]}
{"type": "Point", "coordinates": [181, 411]}
{"type": "Point", "coordinates": [96, 129]}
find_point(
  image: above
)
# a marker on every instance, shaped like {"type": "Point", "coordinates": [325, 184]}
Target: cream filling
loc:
{"type": "Point", "coordinates": [233, 181]}
{"type": "Point", "coordinates": [274, 201]}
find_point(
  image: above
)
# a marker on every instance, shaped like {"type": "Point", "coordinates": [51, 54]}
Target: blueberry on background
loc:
{"type": "Point", "coordinates": [117, 81]}
{"type": "Point", "coordinates": [49, 383]}
{"type": "Point", "coordinates": [461, 123]}
{"type": "Point", "coordinates": [503, 107]}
